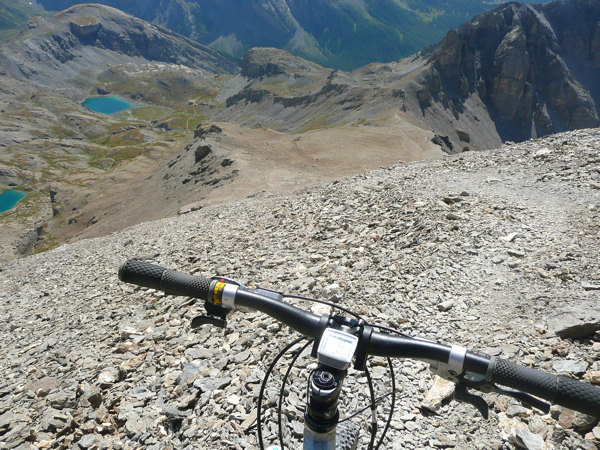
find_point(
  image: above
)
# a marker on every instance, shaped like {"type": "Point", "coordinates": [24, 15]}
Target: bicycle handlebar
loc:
{"type": "Point", "coordinates": [556, 389]}
{"type": "Point", "coordinates": [169, 281]}
{"type": "Point", "coordinates": [560, 390]}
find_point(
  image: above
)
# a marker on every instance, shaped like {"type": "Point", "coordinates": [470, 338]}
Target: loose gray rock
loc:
{"type": "Point", "coordinates": [124, 364]}
{"type": "Point", "coordinates": [529, 440]}
{"type": "Point", "coordinates": [590, 286]}
{"type": "Point", "coordinates": [574, 322]}
{"type": "Point", "coordinates": [570, 366]}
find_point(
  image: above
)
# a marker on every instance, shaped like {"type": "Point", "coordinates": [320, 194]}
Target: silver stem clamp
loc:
{"type": "Point", "coordinates": [228, 298]}
{"type": "Point", "coordinates": [456, 360]}
{"type": "Point", "coordinates": [453, 369]}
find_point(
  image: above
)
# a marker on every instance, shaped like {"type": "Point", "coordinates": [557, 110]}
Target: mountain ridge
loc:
{"type": "Point", "coordinates": [505, 75]}
{"type": "Point", "coordinates": [342, 34]}
{"type": "Point", "coordinates": [437, 107]}
{"type": "Point", "coordinates": [516, 59]}
{"type": "Point", "coordinates": [51, 49]}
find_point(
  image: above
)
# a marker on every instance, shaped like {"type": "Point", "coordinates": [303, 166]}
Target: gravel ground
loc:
{"type": "Point", "coordinates": [497, 251]}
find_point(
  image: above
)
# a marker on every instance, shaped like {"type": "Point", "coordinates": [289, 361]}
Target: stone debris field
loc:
{"type": "Point", "coordinates": [497, 251]}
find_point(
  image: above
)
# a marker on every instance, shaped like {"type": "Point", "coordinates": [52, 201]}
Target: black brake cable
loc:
{"type": "Point", "coordinates": [392, 406]}
{"type": "Point", "coordinates": [281, 391]}
{"type": "Point", "coordinates": [392, 330]}
{"type": "Point", "coordinates": [373, 401]}
{"type": "Point", "coordinates": [373, 408]}
{"type": "Point", "coordinates": [316, 300]}
{"type": "Point", "coordinates": [264, 383]}
{"type": "Point", "coordinates": [378, 400]}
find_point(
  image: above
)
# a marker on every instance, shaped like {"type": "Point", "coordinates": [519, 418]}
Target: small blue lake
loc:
{"type": "Point", "coordinates": [106, 105]}
{"type": "Point", "coordinates": [10, 198]}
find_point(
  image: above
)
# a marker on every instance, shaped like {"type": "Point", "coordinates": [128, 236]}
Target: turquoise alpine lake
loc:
{"type": "Point", "coordinates": [106, 105]}
{"type": "Point", "coordinates": [10, 198]}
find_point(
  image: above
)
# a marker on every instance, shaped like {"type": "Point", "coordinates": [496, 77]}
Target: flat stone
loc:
{"type": "Point", "coordinates": [136, 426]}
{"type": "Point", "coordinates": [529, 440]}
{"type": "Point", "coordinates": [444, 441]}
{"type": "Point", "coordinates": [445, 306]}
{"type": "Point", "coordinates": [574, 322]}
{"type": "Point", "coordinates": [566, 418]}
{"type": "Point", "coordinates": [211, 384]}
{"type": "Point", "coordinates": [233, 399]}
{"type": "Point", "coordinates": [516, 253]}
{"type": "Point", "coordinates": [199, 353]}
{"type": "Point", "coordinates": [127, 332]}
{"type": "Point", "coordinates": [440, 390]}
{"type": "Point", "coordinates": [88, 440]}
{"type": "Point", "coordinates": [188, 375]}
{"type": "Point", "coordinates": [8, 419]}
{"type": "Point", "coordinates": [570, 366]}
{"type": "Point", "coordinates": [109, 376]}
{"type": "Point", "coordinates": [250, 419]}
{"type": "Point", "coordinates": [411, 426]}
{"type": "Point", "coordinates": [241, 356]}
{"type": "Point", "coordinates": [43, 386]}
{"type": "Point", "coordinates": [510, 237]}
{"type": "Point", "coordinates": [517, 410]}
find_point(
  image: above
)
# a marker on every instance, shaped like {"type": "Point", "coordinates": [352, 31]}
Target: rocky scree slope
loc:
{"type": "Point", "coordinates": [497, 251]}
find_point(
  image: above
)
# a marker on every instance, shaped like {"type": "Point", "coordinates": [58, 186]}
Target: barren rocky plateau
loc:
{"type": "Point", "coordinates": [497, 251]}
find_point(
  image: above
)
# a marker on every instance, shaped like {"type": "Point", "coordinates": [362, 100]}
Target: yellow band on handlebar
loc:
{"type": "Point", "coordinates": [218, 292]}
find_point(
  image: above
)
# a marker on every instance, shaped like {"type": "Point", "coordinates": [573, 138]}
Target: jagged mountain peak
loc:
{"type": "Point", "coordinates": [534, 66]}
{"type": "Point", "coordinates": [343, 34]}
{"type": "Point", "coordinates": [513, 73]}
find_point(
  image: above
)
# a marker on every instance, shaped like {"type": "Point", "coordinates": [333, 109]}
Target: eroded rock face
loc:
{"type": "Point", "coordinates": [85, 27]}
{"type": "Point", "coordinates": [264, 62]}
{"type": "Point", "coordinates": [535, 67]}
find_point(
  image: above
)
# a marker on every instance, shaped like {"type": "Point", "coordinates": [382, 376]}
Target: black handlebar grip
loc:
{"type": "Point", "coordinates": [167, 280]}
{"type": "Point", "coordinates": [560, 390]}
{"type": "Point", "coordinates": [177, 283]}
{"type": "Point", "coordinates": [141, 273]}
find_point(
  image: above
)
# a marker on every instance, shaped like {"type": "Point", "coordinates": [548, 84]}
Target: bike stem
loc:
{"type": "Point", "coordinates": [322, 414]}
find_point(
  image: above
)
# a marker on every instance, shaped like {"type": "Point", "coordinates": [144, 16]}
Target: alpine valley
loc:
{"type": "Point", "coordinates": [205, 129]}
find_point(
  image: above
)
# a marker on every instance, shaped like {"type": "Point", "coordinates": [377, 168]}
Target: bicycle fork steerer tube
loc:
{"type": "Point", "coordinates": [322, 414]}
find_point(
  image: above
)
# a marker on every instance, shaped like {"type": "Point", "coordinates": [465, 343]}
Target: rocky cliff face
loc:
{"type": "Point", "coordinates": [535, 67]}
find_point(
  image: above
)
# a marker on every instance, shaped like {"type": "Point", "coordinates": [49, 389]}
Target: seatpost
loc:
{"type": "Point", "coordinates": [322, 412]}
